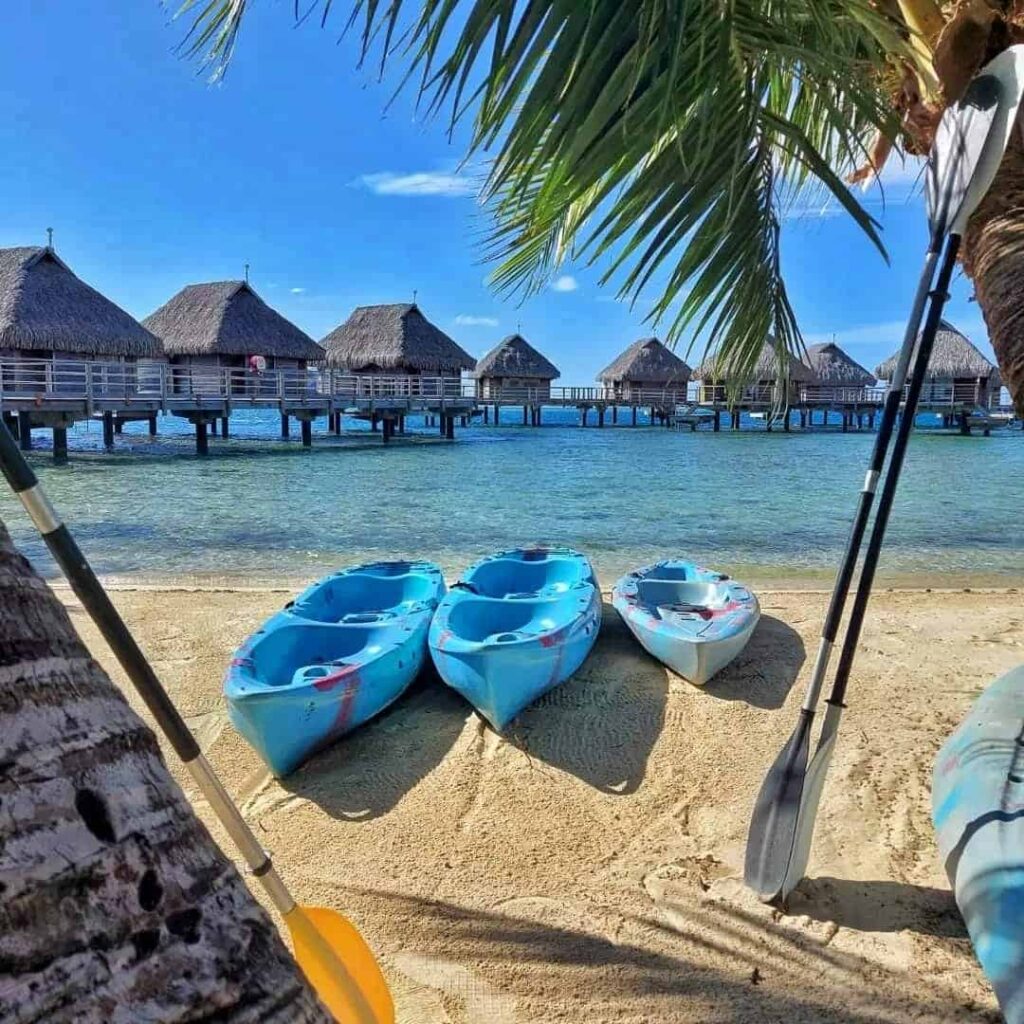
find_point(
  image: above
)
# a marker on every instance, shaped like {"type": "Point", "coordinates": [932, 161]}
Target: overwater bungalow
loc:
{"type": "Point", "coordinates": [765, 384]}
{"type": "Point", "coordinates": [397, 340]}
{"type": "Point", "coordinates": [225, 324]}
{"type": "Point", "coordinates": [840, 375]}
{"type": "Point", "coordinates": [514, 369]}
{"type": "Point", "coordinates": [644, 369]}
{"type": "Point", "coordinates": [52, 324]}
{"type": "Point", "coordinates": [958, 375]}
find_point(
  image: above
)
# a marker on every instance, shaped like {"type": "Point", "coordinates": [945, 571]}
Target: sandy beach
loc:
{"type": "Point", "coordinates": [586, 868]}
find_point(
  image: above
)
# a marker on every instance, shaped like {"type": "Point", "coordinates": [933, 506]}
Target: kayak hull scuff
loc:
{"type": "Point", "coordinates": [693, 619]}
{"type": "Point", "coordinates": [518, 624]}
{"type": "Point", "coordinates": [978, 812]}
{"type": "Point", "coordinates": [345, 649]}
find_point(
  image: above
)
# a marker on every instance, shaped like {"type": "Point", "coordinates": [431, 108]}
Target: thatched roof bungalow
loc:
{"type": "Point", "coordinates": [514, 365]}
{"type": "Point", "coordinates": [647, 365]}
{"type": "Point", "coordinates": [48, 313]}
{"type": "Point", "coordinates": [394, 339]}
{"type": "Point", "coordinates": [957, 371]}
{"type": "Point", "coordinates": [224, 323]}
{"type": "Point", "coordinates": [718, 376]}
{"type": "Point", "coordinates": [836, 369]}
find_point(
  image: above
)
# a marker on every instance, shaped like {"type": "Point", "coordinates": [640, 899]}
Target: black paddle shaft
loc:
{"type": "Point", "coordinates": [94, 598]}
{"type": "Point", "coordinates": [892, 477]}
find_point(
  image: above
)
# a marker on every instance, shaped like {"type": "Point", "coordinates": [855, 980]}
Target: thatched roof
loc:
{"type": "Point", "coordinates": [44, 306]}
{"type": "Point", "coordinates": [392, 337]}
{"type": "Point", "coordinates": [766, 368]}
{"type": "Point", "coordinates": [646, 361]}
{"type": "Point", "coordinates": [227, 318]}
{"type": "Point", "coordinates": [515, 357]}
{"type": "Point", "coordinates": [834, 366]}
{"type": "Point", "coordinates": [953, 355]}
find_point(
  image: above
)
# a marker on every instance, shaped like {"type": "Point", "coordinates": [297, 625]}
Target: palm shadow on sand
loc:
{"type": "Point", "coordinates": [765, 670]}
{"type": "Point", "coordinates": [879, 906]}
{"type": "Point", "coordinates": [602, 723]}
{"type": "Point", "coordinates": [366, 773]}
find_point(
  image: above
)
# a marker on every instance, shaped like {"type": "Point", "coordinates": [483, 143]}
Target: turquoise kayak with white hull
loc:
{"type": "Point", "coordinates": [693, 619]}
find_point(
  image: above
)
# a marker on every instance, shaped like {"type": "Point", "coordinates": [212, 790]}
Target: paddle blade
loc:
{"type": "Point", "coordinates": [970, 141]}
{"type": "Point", "coordinates": [773, 825]}
{"type": "Point", "coordinates": [340, 966]}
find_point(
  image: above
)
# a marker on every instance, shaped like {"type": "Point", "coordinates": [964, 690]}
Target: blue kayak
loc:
{"type": "Point", "coordinates": [335, 657]}
{"type": "Point", "coordinates": [978, 811]}
{"type": "Point", "coordinates": [693, 619]}
{"type": "Point", "coordinates": [517, 624]}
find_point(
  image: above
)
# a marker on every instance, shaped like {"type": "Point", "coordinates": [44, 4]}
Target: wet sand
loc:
{"type": "Point", "coordinates": [586, 868]}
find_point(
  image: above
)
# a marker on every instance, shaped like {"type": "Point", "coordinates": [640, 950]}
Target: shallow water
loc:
{"type": "Point", "coordinates": [769, 506]}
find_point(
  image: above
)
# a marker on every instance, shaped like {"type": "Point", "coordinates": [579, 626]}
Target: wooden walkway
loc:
{"type": "Point", "coordinates": [53, 395]}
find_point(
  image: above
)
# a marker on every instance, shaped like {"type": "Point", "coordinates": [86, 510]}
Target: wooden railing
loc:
{"type": "Point", "coordinates": [64, 379]}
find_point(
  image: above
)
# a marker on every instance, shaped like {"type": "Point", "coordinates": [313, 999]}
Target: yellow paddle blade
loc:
{"type": "Point", "coordinates": [340, 966]}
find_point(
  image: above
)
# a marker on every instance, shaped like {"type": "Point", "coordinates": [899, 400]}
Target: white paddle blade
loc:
{"type": "Point", "coordinates": [971, 140]}
{"type": "Point", "coordinates": [814, 784]}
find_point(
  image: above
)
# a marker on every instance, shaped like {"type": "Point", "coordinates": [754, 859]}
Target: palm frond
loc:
{"type": "Point", "coordinates": [661, 141]}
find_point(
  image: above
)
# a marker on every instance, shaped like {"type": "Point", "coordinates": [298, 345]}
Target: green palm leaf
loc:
{"type": "Point", "coordinates": [659, 140]}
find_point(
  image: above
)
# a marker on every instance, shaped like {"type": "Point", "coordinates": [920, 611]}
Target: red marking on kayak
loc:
{"type": "Point", "coordinates": [240, 662]}
{"type": "Point", "coordinates": [446, 635]}
{"type": "Point", "coordinates": [348, 700]}
{"type": "Point", "coordinates": [550, 639]}
{"type": "Point", "coordinates": [335, 678]}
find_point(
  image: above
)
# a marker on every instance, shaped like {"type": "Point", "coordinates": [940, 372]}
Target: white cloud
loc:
{"type": "Point", "coordinates": [467, 320]}
{"type": "Point", "coordinates": [565, 283]}
{"type": "Point", "coordinates": [417, 183]}
{"type": "Point", "coordinates": [298, 291]}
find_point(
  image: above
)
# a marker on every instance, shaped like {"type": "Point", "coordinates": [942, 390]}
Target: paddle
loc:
{"type": "Point", "coordinates": [966, 154]}
{"type": "Point", "coordinates": [328, 948]}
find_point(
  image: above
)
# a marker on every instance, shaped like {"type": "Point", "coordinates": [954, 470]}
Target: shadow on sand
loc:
{"type": "Point", "coordinates": [765, 670]}
{"type": "Point", "coordinates": [602, 723]}
{"type": "Point", "coordinates": [713, 962]}
{"type": "Point", "coordinates": [366, 773]}
{"type": "Point", "coordinates": [877, 906]}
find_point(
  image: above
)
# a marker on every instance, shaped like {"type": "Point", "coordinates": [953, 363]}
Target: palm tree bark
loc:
{"type": "Point", "coordinates": [994, 260]}
{"type": "Point", "coordinates": [115, 903]}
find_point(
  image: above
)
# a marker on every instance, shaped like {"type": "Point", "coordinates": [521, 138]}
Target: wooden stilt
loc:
{"type": "Point", "coordinates": [965, 426]}
{"type": "Point", "coordinates": [634, 415]}
{"type": "Point", "coordinates": [60, 444]}
{"type": "Point", "coordinates": [307, 433]}
{"type": "Point", "coordinates": [600, 416]}
{"type": "Point", "coordinates": [374, 422]}
{"type": "Point", "coordinates": [718, 420]}
{"type": "Point", "coordinates": [25, 431]}
{"type": "Point", "coordinates": [846, 422]}
{"type": "Point", "coordinates": [385, 431]}
{"type": "Point", "coordinates": [487, 415]}
{"type": "Point", "coordinates": [202, 441]}
{"type": "Point", "coordinates": [118, 425]}
{"type": "Point", "coordinates": [615, 415]}
{"type": "Point", "coordinates": [526, 414]}
{"type": "Point", "coordinates": [785, 420]}
{"type": "Point", "coordinates": [152, 425]}
{"type": "Point", "coordinates": [285, 426]}
{"type": "Point", "coordinates": [223, 426]}
{"type": "Point", "coordinates": [449, 431]}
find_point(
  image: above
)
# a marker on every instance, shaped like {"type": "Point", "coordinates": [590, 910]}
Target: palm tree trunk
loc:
{"type": "Point", "coordinates": [115, 903]}
{"type": "Point", "coordinates": [994, 260]}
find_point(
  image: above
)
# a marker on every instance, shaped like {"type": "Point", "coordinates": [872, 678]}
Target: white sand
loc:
{"type": "Point", "coordinates": [586, 869]}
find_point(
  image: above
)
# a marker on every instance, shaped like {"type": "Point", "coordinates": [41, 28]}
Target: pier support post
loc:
{"type": "Point", "coordinates": [25, 431]}
{"type": "Point", "coordinates": [718, 420]}
{"type": "Point", "coordinates": [223, 426]}
{"type": "Point", "coordinates": [965, 426]}
{"type": "Point", "coordinates": [202, 441]}
{"type": "Point", "coordinates": [60, 445]}
{"type": "Point", "coordinates": [768, 422]}
{"type": "Point", "coordinates": [285, 426]}
{"type": "Point", "coordinates": [487, 415]}
{"type": "Point", "coordinates": [385, 431]}
{"type": "Point", "coordinates": [615, 415]}
{"type": "Point", "coordinates": [846, 422]}
{"type": "Point", "coordinates": [526, 414]}
{"type": "Point", "coordinates": [336, 426]}
{"type": "Point", "coordinates": [785, 420]}
{"type": "Point", "coordinates": [108, 430]}
{"type": "Point", "coordinates": [600, 416]}
{"type": "Point", "coordinates": [634, 415]}
{"type": "Point", "coordinates": [118, 425]}
{"type": "Point", "coordinates": [449, 431]}
{"type": "Point", "coordinates": [152, 425]}
{"type": "Point", "coordinates": [374, 422]}
{"type": "Point", "coordinates": [463, 421]}
{"type": "Point", "coordinates": [497, 411]}
{"type": "Point", "coordinates": [307, 433]}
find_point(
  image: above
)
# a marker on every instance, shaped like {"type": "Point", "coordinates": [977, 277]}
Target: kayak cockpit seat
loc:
{"type": "Point", "coordinates": [382, 593]}
{"type": "Point", "coordinates": [511, 576]}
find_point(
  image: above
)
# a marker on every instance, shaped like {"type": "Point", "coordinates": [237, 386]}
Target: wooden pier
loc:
{"type": "Point", "coordinates": [54, 395]}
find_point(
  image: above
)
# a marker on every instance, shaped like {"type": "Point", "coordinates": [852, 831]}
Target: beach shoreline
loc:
{"type": "Point", "coordinates": [587, 865]}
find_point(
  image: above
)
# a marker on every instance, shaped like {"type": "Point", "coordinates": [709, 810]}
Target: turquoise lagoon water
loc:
{"type": "Point", "coordinates": [768, 506]}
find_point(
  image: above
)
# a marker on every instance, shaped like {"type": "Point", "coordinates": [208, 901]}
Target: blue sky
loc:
{"type": "Point", "coordinates": [153, 178]}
